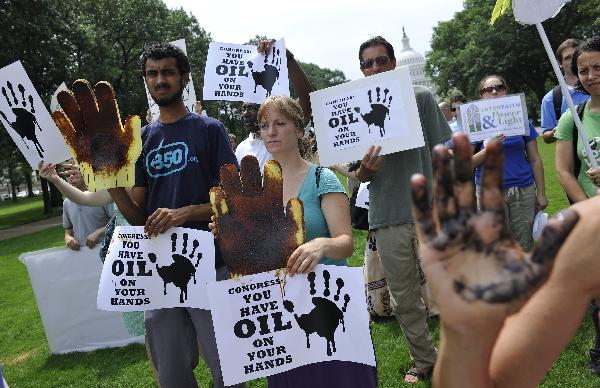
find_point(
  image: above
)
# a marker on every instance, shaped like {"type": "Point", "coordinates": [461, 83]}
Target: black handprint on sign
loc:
{"type": "Point", "coordinates": [25, 120]}
{"type": "Point", "coordinates": [326, 316]}
{"type": "Point", "coordinates": [182, 269]}
{"type": "Point", "coordinates": [379, 111]}
{"type": "Point", "coordinates": [270, 74]}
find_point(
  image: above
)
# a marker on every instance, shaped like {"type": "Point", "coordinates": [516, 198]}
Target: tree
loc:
{"type": "Point", "coordinates": [467, 48]}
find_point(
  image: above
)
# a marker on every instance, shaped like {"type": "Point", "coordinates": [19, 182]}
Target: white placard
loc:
{"type": "Point", "coordinates": [532, 12]}
{"type": "Point", "coordinates": [54, 105]}
{"type": "Point", "coordinates": [236, 72]}
{"type": "Point", "coordinates": [27, 120]}
{"type": "Point", "coordinates": [483, 119]}
{"type": "Point", "coordinates": [189, 93]}
{"type": "Point", "coordinates": [362, 197]}
{"type": "Point", "coordinates": [171, 270]}
{"type": "Point", "coordinates": [261, 332]}
{"type": "Point", "coordinates": [380, 109]}
{"type": "Point", "coordinates": [65, 285]}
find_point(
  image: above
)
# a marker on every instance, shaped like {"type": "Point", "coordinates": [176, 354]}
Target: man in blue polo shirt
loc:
{"type": "Point", "coordinates": [550, 108]}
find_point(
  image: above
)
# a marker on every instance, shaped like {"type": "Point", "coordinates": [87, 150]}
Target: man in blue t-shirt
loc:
{"type": "Point", "coordinates": [182, 154]}
{"type": "Point", "coordinates": [564, 56]}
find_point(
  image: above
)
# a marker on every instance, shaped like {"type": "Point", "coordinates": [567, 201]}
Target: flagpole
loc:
{"type": "Point", "coordinates": [567, 95]}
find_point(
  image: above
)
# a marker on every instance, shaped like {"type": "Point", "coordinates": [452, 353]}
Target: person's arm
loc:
{"type": "Point", "coordinates": [336, 211]}
{"type": "Point", "coordinates": [549, 119]}
{"type": "Point", "coordinates": [85, 198]}
{"type": "Point", "coordinates": [70, 240]}
{"type": "Point", "coordinates": [94, 237]}
{"type": "Point", "coordinates": [565, 167]}
{"type": "Point", "coordinates": [538, 173]}
{"type": "Point", "coordinates": [301, 84]}
{"type": "Point", "coordinates": [132, 207]}
{"type": "Point", "coordinates": [163, 219]}
{"type": "Point", "coordinates": [369, 165]}
{"type": "Point", "coordinates": [343, 169]}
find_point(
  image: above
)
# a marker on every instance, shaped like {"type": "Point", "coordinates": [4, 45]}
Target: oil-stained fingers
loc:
{"type": "Point", "coordinates": [69, 105]}
{"type": "Point", "coordinates": [66, 129]}
{"type": "Point", "coordinates": [108, 108]}
{"type": "Point", "coordinates": [443, 184]}
{"type": "Point", "coordinates": [295, 222]}
{"type": "Point", "coordinates": [250, 175]}
{"type": "Point", "coordinates": [422, 213]}
{"type": "Point", "coordinates": [492, 181]}
{"type": "Point", "coordinates": [230, 181]}
{"type": "Point", "coordinates": [464, 189]}
{"type": "Point", "coordinates": [218, 203]}
{"type": "Point", "coordinates": [273, 184]}
{"type": "Point", "coordinates": [554, 235]}
{"type": "Point", "coordinates": [87, 102]}
{"type": "Point", "coordinates": [133, 136]}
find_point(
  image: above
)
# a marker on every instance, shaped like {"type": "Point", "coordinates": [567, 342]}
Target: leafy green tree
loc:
{"type": "Point", "coordinates": [467, 48]}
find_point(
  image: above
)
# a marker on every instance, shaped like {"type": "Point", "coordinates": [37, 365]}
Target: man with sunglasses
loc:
{"type": "Point", "coordinates": [390, 214]}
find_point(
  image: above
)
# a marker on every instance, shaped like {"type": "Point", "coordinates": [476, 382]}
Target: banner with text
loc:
{"type": "Point", "coordinates": [267, 323]}
{"type": "Point", "coordinates": [376, 110]}
{"type": "Point", "coordinates": [189, 93]}
{"type": "Point", "coordinates": [237, 72]}
{"type": "Point", "coordinates": [26, 119]}
{"type": "Point", "coordinates": [143, 273]}
{"type": "Point", "coordinates": [483, 119]}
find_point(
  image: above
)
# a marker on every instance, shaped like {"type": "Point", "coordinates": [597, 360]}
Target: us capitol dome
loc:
{"type": "Point", "coordinates": [416, 64]}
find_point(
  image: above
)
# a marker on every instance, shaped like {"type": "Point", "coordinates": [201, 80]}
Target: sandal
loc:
{"type": "Point", "coordinates": [421, 374]}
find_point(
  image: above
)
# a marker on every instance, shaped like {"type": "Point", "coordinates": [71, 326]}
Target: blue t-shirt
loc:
{"type": "Point", "coordinates": [517, 169]}
{"type": "Point", "coordinates": [549, 119]}
{"type": "Point", "coordinates": [310, 195]}
{"type": "Point", "coordinates": [180, 163]}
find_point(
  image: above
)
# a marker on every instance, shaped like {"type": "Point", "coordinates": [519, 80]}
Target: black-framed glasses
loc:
{"type": "Point", "coordinates": [498, 88]}
{"type": "Point", "coordinates": [380, 61]}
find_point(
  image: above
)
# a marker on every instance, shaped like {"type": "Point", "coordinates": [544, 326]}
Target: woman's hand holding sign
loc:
{"type": "Point", "coordinates": [105, 149]}
{"type": "Point", "coordinates": [254, 233]}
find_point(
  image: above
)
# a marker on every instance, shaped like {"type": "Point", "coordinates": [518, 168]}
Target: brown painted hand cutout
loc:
{"type": "Point", "coordinates": [470, 254]}
{"type": "Point", "coordinates": [90, 122]}
{"type": "Point", "coordinates": [253, 232]}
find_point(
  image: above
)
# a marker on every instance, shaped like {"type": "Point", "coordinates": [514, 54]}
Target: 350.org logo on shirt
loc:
{"type": "Point", "coordinates": [167, 159]}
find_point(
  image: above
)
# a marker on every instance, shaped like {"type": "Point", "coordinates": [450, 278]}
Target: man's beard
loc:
{"type": "Point", "coordinates": [167, 101]}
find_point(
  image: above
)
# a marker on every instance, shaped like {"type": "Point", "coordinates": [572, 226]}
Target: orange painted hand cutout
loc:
{"type": "Point", "coordinates": [253, 231]}
{"type": "Point", "coordinates": [105, 149]}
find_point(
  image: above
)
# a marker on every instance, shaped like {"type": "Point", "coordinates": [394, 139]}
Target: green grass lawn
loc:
{"type": "Point", "coordinates": [23, 211]}
{"type": "Point", "coordinates": [28, 363]}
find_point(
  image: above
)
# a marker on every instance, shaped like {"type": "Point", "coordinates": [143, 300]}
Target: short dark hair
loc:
{"type": "Point", "coordinates": [458, 97]}
{"type": "Point", "coordinates": [591, 44]}
{"type": "Point", "coordinates": [569, 43]}
{"type": "Point", "coordinates": [165, 50]}
{"type": "Point", "coordinates": [377, 41]}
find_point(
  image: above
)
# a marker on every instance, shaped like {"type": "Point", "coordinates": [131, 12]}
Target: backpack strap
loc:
{"type": "Point", "coordinates": [557, 101]}
{"type": "Point", "coordinates": [580, 110]}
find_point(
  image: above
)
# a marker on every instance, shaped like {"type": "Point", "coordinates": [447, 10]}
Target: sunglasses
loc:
{"type": "Point", "coordinates": [380, 61]}
{"type": "Point", "coordinates": [497, 88]}
{"type": "Point", "coordinates": [453, 109]}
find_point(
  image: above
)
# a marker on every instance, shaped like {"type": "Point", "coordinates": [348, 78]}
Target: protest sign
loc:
{"type": "Point", "coordinates": [189, 93]}
{"type": "Point", "coordinates": [143, 273]}
{"type": "Point", "coordinates": [267, 323]}
{"type": "Point", "coordinates": [65, 285]}
{"type": "Point", "coordinates": [484, 119]}
{"type": "Point", "coordinates": [54, 105]}
{"type": "Point", "coordinates": [532, 12]}
{"type": "Point", "coordinates": [237, 72]}
{"type": "Point", "coordinates": [362, 197]}
{"type": "Point", "coordinates": [376, 110]}
{"type": "Point", "coordinates": [27, 120]}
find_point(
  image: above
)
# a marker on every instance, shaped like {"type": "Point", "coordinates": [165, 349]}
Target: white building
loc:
{"type": "Point", "coordinates": [416, 64]}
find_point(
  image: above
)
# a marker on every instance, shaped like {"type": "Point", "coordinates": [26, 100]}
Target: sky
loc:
{"type": "Point", "coordinates": [327, 33]}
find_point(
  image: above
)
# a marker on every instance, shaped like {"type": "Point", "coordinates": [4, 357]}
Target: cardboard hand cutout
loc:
{"type": "Point", "coordinates": [105, 149]}
{"type": "Point", "coordinates": [253, 231]}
